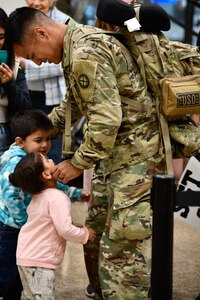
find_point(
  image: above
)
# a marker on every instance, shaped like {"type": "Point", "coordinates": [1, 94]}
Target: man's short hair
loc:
{"type": "Point", "coordinates": [19, 22]}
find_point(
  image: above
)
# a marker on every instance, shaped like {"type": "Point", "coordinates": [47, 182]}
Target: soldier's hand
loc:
{"type": "Point", "coordinates": [65, 171]}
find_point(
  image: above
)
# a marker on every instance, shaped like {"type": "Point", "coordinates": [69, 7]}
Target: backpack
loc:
{"type": "Point", "coordinates": [170, 71]}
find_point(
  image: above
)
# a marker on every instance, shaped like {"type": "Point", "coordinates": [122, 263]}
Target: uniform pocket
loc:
{"type": "Point", "coordinates": [137, 222]}
{"type": "Point", "coordinates": [130, 223]}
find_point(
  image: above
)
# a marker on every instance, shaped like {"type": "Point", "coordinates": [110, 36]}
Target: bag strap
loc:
{"type": "Point", "coordinates": [163, 124]}
{"type": "Point", "coordinates": [67, 139]}
{"type": "Point", "coordinates": [167, 144]}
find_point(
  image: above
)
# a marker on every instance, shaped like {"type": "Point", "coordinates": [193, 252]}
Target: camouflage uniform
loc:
{"type": "Point", "coordinates": [122, 141]}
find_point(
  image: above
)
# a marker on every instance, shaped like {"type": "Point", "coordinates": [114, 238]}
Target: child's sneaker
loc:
{"type": "Point", "coordinates": [89, 291]}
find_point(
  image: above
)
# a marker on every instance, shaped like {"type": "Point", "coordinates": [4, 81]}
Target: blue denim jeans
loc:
{"type": "Point", "coordinates": [5, 137]}
{"type": "Point", "coordinates": [10, 283]}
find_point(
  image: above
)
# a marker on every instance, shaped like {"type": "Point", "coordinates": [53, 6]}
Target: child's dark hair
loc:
{"type": "Point", "coordinates": [25, 122]}
{"type": "Point", "coordinates": [27, 174]}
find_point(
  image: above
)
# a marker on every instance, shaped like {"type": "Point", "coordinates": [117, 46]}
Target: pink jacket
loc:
{"type": "Point", "coordinates": [42, 240]}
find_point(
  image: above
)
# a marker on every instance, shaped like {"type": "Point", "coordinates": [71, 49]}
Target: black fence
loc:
{"type": "Point", "coordinates": [164, 201]}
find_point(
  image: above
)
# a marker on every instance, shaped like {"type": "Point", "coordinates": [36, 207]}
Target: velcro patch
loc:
{"type": "Point", "coordinates": [84, 73]}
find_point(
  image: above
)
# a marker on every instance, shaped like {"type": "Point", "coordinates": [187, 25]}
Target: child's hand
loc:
{"type": "Point", "coordinates": [85, 196]}
{"type": "Point", "coordinates": [13, 144]}
{"type": "Point", "coordinates": [92, 234]}
{"type": "Point", "coordinates": [77, 225]}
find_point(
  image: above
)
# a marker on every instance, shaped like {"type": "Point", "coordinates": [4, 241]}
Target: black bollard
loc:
{"type": "Point", "coordinates": [163, 195]}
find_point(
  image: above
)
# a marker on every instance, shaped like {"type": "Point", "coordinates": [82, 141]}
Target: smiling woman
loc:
{"type": "Point", "coordinates": [43, 5]}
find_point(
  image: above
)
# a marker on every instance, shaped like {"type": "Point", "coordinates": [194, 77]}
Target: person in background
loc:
{"type": "Point", "coordinates": [14, 94]}
{"type": "Point", "coordinates": [32, 131]}
{"type": "Point", "coordinates": [42, 240]}
{"type": "Point", "coordinates": [46, 82]}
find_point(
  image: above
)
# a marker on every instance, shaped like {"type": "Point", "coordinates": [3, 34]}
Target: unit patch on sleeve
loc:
{"type": "Point", "coordinates": [84, 74]}
{"type": "Point", "coordinates": [83, 81]}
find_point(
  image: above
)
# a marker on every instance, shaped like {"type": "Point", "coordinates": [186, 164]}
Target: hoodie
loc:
{"type": "Point", "coordinates": [13, 201]}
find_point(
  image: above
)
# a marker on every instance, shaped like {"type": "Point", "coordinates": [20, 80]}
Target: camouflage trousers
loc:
{"type": "Point", "coordinates": [119, 261]}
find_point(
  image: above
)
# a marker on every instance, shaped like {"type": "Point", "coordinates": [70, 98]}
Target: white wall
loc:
{"type": "Point", "coordinates": [10, 5]}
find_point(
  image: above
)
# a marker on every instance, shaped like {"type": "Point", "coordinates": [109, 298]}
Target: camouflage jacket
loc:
{"type": "Point", "coordinates": [105, 85]}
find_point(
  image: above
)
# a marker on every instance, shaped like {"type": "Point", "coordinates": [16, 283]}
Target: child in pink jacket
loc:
{"type": "Point", "coordinates": [42, 240]}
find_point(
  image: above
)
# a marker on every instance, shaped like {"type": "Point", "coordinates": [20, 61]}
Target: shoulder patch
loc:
{"type": "Point", "coordinates": [83, 81]}
{"type": "Point", "coordinates": [84, 74]}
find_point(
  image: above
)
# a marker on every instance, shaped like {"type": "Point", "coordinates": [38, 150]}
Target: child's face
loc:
{"type": "Point", "coordinates": [38, 141]}
{"type": "Point", "coordinates": [48, 164]}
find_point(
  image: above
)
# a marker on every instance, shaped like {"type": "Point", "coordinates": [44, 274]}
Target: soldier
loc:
{"type": "Point", "coordinates": [121, 142]}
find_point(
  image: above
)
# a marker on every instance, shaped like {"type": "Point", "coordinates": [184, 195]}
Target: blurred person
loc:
{"type": "Point", "coordinates": [14, 94]}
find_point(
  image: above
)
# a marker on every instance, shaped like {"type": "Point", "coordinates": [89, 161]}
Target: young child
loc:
{"type": "Point", "coordinates": [32, 132]}
{"type": "Point", "coordinates": [42, 240]}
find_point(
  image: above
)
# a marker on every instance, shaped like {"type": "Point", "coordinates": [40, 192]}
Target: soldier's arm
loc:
{"type": "Point", "coordinates": [58, 116]}
{"type": "Point", "coordinates": [104, 111]}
